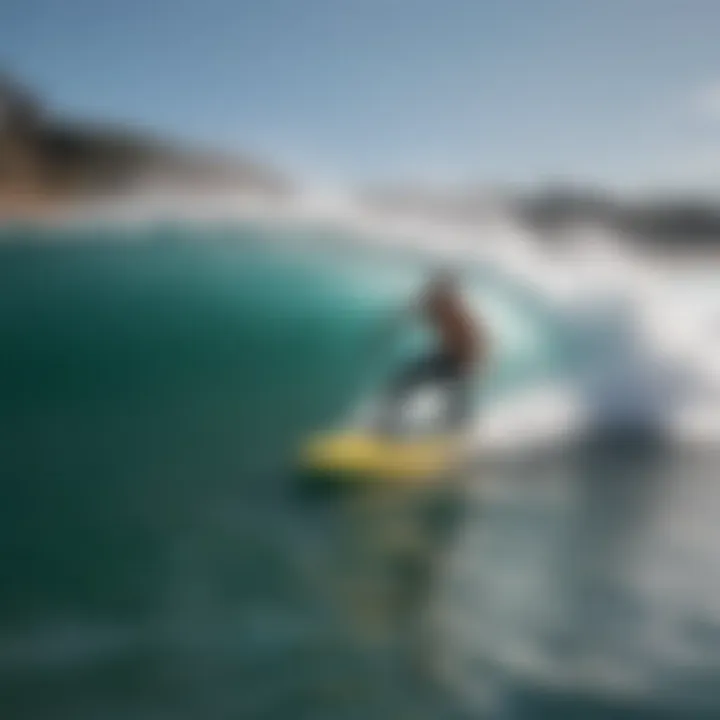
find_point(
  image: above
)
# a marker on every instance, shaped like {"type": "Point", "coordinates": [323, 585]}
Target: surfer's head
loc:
{"type": "Point", "coordinates": [441, 291]}
{"type": "Point", "coordinates": [443, 283]}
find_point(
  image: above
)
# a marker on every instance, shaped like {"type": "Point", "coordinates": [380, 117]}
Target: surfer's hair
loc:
{"type": "Point", "coordinates": [445, 277]}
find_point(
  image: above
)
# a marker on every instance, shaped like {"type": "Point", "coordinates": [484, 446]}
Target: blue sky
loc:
{"type": "Point", "coordinates": [623, 92]}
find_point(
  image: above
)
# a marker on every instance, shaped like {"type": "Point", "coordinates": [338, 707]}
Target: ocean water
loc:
{"type": "Point", "coordinates": [161, 558]}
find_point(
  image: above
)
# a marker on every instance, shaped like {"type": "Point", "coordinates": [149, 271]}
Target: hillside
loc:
{"type": "Point", "coordinates": [47, 158]}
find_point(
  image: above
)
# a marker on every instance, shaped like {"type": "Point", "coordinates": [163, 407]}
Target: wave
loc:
{"type": "Point", "coordinates": [616, 340]}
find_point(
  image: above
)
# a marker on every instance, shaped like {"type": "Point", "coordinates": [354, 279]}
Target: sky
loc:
{"type": "Point", "coordinates": [624, 93]}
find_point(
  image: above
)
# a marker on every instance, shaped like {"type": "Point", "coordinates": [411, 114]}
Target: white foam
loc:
{"type": "Point", "coordinates": [547, 415]}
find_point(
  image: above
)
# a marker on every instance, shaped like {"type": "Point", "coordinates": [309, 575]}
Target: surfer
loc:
{"type": "Point", "coordinates": [461, 347]}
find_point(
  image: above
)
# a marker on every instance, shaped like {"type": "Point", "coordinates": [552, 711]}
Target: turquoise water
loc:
{"type": "Point", "coordinates": [160, 561]}
{"type": "Point", "coordinates": [154, 393]}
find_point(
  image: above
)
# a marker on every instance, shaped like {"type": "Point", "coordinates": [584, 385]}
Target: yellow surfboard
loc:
{"type": "Point", "coordinates": [359, 453]}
